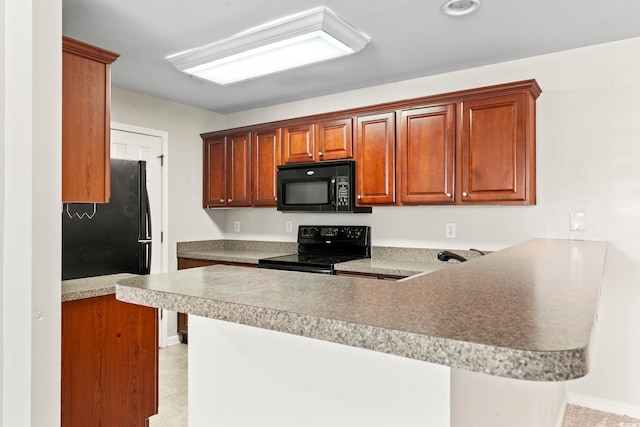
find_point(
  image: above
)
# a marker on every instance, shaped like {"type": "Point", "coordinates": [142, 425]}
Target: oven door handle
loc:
{"type": "Point", "coordinates": [333, 192]}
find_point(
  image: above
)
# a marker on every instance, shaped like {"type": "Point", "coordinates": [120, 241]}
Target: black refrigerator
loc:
{"type": "Point", "coordinates": [114, 237]}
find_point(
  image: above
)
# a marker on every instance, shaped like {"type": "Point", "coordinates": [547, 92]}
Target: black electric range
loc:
{"type": "Point", "coordinates": [320, 247]}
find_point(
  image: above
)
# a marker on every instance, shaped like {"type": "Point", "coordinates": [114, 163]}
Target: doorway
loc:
{"type": "Point", "coordinates": [137, 143]}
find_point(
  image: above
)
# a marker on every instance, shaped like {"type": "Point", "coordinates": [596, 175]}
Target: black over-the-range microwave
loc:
{"type": "Point", "coordinates": [318, 187]}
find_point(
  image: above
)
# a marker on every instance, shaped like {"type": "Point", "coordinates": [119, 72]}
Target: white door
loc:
{"type": "Point", "coordinates": [133, 145]}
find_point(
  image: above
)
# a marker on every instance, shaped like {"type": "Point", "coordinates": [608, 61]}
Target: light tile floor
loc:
{"type": "Point", "coordinates": [173, 401]}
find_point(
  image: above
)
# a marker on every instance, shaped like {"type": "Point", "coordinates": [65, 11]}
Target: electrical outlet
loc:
{"type": "Point", "coordinates": [288, 226]}
{"type": "Point", "coordinates": [236, 226]}
{"type": "Point", "coordinates": [450, 230]}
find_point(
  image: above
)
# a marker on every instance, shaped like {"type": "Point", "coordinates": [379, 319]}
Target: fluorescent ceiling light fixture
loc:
{"type": "Point", "coordinates": [460, 7]}
{"type": "Point", "coordinates": [301, 39]}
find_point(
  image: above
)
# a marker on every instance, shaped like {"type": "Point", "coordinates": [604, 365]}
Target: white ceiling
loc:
{"type": "Point", "coordinates": [410, 38]}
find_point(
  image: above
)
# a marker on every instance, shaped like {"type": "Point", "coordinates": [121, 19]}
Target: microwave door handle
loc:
{"type": "Point", "coordinates": [333, 192]}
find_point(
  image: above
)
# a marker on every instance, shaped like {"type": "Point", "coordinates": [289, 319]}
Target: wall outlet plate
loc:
{"type": "Point", "coordinates": [288, 226]}
{"type": "Point", "coordinates": [236, 226]}
{"type": "Point", "coordinates": [450, 230]}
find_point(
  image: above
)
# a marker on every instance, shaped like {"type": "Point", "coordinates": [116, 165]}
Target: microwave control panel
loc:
{"type": "Point", "coordinates": [342, 191]}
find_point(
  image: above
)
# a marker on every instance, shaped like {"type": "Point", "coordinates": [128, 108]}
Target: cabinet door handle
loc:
{"type": "Point", "coordinates": [464, 193]}
{"type": "Point", "coordinates": [310, 155]}
{"type": "Point", "coordinates": [221, 200]}
{"type": "Point", "coordinates": [449, 195]}
{"type": "Point", "coordinates": [359, 197]}
{"type": "Point", "coordinates": [275, 198]}
{"type": "Point", "coordinates": [230, 200]}
{"type": "Point", "coordinates": [320, 153]}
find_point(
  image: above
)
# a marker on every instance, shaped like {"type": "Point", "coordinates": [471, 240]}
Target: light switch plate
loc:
{"type": "Point", "coordinates": [236, 226]}
{"type": "Point", "coordinates": [577, 221]}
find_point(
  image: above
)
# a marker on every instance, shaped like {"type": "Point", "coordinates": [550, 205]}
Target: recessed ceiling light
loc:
{"type": "Point", "coordinates": [301, 39]}
{"type": "Point", "coordinates": [460, 7]}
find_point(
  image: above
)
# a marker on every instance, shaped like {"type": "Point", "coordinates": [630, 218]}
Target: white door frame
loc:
{"type": "Point", "coordinates": [164, 137]}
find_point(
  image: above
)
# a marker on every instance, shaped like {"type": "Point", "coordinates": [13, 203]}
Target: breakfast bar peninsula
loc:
{"type": "Point", "coordinates": [491, 341]}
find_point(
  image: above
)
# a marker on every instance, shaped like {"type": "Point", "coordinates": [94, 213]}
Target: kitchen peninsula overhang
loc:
{"type": "Point", "coordinates": [525, 312]}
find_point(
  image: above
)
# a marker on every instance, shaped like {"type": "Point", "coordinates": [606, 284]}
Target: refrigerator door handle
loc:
{"type": "Point", "coordinates": [144, 238]}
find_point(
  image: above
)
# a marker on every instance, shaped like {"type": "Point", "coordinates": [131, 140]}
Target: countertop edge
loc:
{"type": "Point", "coordinates": [493, 360]}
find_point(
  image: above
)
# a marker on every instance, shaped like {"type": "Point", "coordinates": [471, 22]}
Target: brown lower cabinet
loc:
{"type": "Point", "coordinates": [109, 363]}
{"type": "Point", "coordinates": [184, 263]}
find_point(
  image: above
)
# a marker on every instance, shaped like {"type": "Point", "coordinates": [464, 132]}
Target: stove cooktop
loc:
{"type": "Point", "coordinates": [321, 247]}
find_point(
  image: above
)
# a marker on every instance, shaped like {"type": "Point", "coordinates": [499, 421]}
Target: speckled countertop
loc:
{"type": "Point", "coordinates": [525, 312]}
{"type": "Point", "coordinates": [385, 260]}
{"type": "Point", "coordinates": [91, 286]}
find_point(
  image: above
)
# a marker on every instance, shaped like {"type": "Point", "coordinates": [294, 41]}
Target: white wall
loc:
{"type": "Point", "coordinates": [184, 124]}
{"type": "Point", "coordinates": [30, 194]}
{"type": "Point", "coordinates": [588, 152]}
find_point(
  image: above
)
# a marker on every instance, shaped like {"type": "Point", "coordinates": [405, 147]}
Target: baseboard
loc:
{"type": "Point", "coordinates": [604, 405]}
{"type": "Point", "coordinates": [173, 340]}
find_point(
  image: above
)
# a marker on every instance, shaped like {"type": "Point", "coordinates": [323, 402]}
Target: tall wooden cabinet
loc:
{"type": "Point", "coordinates": [86, 122]}
{"type": "Point", "coordinates": [227, 171]}
{"type": "Point", "coordinates": [109, 363]}
{"type": "Point", "coordinates": [265, 158]}
{"type": "Point", "coordinates": [375, 159]}
{"type": "Point", "coordinates": [427, 154]}
{"type": "Point", "coordinates": [497, 150]}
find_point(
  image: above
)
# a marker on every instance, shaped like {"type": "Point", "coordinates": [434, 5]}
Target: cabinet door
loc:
{"type": "Point", "coordinates": [214, 171]}
{"type": "Point", "coordinates": [298, 144]}
{"type": "Point", "coordinates": [497, 150]}
{"type": "Point", "coordinates": [109, 363]}
{"type": "Point", "coordinates": [375, 157]}
{"type": "Point", "coordinates": [334, 139]}
{"type": "Point", "coordinates": [426, 155]}
{"type": "Point", "coordinates": [265, 159]}
{"type": "Point", "coordinates": [239, 170]}
{"type": "Point", "coordinates": [85, 122]}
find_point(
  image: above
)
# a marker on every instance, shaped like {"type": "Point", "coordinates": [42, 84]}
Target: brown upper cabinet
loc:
{"type": "Point", "coordinates": [227, 171]}
{"type": "Point", "coordinates": [334, 139]}
{"type": "Point", "coordinates": [86, 122]}
{"type": "Point", "coordinates": [497, 150]}
{"type": "Point", "coordinates": [474, 146]}
{"type": "Point", "coordinates": [427, 154]}
{"type": "Point", "coordinates": [323, 140]}
{"type": "Point", "coordinates": [375, 159]}
{"type": "Point", "coordinates": [265, 160]}
{"type": "Point", "coordinates": [298, 143]}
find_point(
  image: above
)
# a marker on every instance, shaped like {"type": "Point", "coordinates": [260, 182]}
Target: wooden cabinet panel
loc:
{"type": "Point", "coordinates": [239, 170]}
{"type": "Point", "coordinates": [497, 158]}
{"type": "Point", "coordinates": [375, 157]}
{"type": "Point", "coordinates": [86, 122]}
{"type": "Point", "coordinates": [265, 159]}
{"type": "Point", "coordinates": [227, 171]}
{"type": "Point", "coordinates": [214, 172]}
{"type": "Point", "coordinates": [427, 155]}
{"type": "Point", "coordinates": [109, 363]}
{"type": "Point", "coordinates": [334, 139]}
{"type": "Point", "coordinates": [298, 144]}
